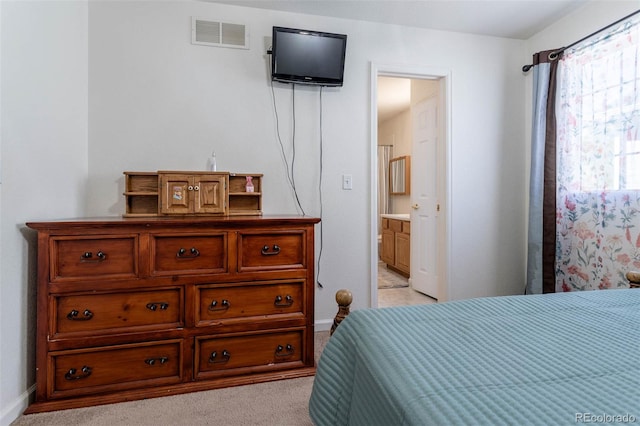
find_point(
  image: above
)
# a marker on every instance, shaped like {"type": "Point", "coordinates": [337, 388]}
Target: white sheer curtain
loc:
{"type": "Point", "coordinates": [598, 161]}
{"type": "Point", "coordinates": [385, 153]}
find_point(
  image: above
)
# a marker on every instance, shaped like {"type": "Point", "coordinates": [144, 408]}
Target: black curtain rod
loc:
{"type": "Point", "coordinates": [526, 68]}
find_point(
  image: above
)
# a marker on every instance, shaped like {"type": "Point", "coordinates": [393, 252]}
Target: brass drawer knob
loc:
{"type": "Point", "coordinates": [280, 350]}
{"type": "Point", "coordinates": [86, 315]}
{"type": "Point", "coordinates": [288, 301]}
{"type": "Point", "coordinates": [160, 360]}
{"type": "Point", "coordinates": [183, 254]}
{"type": "Point", "coordinates": [270, 252]}
{"type": "Point", "coordinates": [152, 306]}
{"type": "Point", "coordinates": [225, 357]}
{"type": "Point", "coordinates": [71, 374]}
{"type": "Point", "coordinates": [213, 307]}
{"type": "Point", "coordinates": [87, 256]}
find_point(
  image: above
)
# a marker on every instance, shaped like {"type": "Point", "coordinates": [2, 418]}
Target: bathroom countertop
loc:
{"type": "Point", "coordinates": [398, 216]}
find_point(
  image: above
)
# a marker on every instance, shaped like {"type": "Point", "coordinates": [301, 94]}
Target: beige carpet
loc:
{"type": "Point", "coordinates": [279, 403]}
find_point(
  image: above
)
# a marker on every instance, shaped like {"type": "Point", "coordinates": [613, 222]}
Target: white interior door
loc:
{"type": "Point", "coordinates": [424, 198]}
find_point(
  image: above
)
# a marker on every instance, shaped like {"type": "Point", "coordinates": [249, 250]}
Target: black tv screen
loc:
{"type": "Point", "coordinates": [307, 57]}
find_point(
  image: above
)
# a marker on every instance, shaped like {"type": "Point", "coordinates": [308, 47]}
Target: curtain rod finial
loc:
{"type": "Point", "coordinates": [526, 68]}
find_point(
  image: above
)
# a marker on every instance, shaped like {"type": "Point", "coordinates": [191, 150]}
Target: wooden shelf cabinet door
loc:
{"type": "Point", "coordinates": [175, 194]}
{"type": "Point", "coordinates": [211, 196]}
{"type": "Point", "coordinates": [193, 194]}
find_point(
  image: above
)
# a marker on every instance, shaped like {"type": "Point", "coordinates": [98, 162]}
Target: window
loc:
{"type": "Point", "coordinates": [598, 162]}
{"type": "Point", "coordinates": [600, 107]}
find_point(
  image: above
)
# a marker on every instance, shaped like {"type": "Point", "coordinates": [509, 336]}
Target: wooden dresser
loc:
{"type": "Point", "coordinates": [136, 308]}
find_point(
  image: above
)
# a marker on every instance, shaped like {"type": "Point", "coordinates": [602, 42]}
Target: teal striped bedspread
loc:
{"type": "Point", "coordinates": [556, 359]}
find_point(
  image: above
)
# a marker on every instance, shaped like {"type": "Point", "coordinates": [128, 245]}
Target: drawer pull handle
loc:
{"type": "Point", "coordinates": [213, 307]}
{"type": "Point", "coordinates": [288, 301]}
{"type": "Point", "coordinates": [289, 351]}
{"type": "Point", "coordinates": [152, 306]}
{"type": "Point", "coordinates": [71, 374]}
{"type": "Point", "coordinates": [226, 356]}
{"type": "Point", "coordinates": [73, 315]}
{"type": "Point", "coordinates": [87, 256]}
{"type": "Point", "coordinates": [266, 252]}
{"type": "Point", "coordinates": [161, 360]}
{"type": "Point", "coordinates": [182, 253]}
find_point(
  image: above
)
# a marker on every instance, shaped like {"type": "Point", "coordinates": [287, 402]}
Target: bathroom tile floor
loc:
{"type": "Point", "coordinates": [399, 296]}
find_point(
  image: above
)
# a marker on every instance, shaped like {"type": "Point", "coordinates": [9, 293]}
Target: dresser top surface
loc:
{"type": "Point", "coordinates": [179, 221]}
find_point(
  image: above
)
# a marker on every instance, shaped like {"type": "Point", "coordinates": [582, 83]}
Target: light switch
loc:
{"type": "Point", "coordinates": [347, 182]}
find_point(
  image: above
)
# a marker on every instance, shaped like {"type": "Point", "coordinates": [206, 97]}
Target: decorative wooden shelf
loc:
{"type": "Point", "coordinates": [242, 202]}
{"type": "Point", "coordinates": [143, 196]}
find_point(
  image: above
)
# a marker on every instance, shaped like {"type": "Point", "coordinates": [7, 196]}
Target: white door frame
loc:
{"type": "Point", "coordinates": [416, 72]}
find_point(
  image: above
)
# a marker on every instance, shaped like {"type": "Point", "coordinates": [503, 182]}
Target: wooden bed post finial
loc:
{"type": "Point", "coordinates": [634, 279]}
{"type": "Point", "coordinates": [344, 299]}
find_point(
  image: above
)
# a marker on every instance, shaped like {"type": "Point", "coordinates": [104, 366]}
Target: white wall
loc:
{"type": "Point", "coordinates": [44, 163]}
{"type": "Point", "coordinates": [158, 102]}
{"type": "Point", "coordinates": [588, 19]}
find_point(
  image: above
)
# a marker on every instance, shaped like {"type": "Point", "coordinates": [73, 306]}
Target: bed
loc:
{"type": "Point", "coordinates": [550, 359]}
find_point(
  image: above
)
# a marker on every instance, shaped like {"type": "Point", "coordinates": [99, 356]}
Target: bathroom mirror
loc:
{"type": "Point", "coordinates": [399, 175]}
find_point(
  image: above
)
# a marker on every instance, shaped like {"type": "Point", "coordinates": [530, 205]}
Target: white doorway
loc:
{"type": "Point", "coordinates": [432, 257]}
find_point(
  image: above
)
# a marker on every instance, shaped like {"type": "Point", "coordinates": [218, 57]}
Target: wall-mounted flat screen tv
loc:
{"type": "Point", "coordinates": [307, 57]}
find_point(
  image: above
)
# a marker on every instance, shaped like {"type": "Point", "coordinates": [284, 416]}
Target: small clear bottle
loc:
{"type": "Point", "coordinates": [212, 162]}
{"type": "Point", "coordinates": [249, 186]}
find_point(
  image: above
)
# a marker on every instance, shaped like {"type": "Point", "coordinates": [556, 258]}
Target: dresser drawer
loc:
{"type": "Point", "coordinates": [250, 353]}
{"type": "Point", "coordinates": [260, 299]}
{"type": "Point", "coordinates": [189, 253]}
{"type": "Point", "coordinates": [89, 371]}
{"type": "Point", "coordinates": [109, 312]}
{"type": "Point", "coordinates": [93, 257]}
{"type": "Point", "coordinates": [271, 250]}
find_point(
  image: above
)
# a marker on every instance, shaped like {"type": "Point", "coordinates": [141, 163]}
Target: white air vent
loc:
{"type": "Point", "coordinates": [220, 34]}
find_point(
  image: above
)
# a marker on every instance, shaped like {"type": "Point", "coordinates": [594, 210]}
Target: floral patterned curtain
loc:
{"type": "Point", "coordinates": [598, 161]}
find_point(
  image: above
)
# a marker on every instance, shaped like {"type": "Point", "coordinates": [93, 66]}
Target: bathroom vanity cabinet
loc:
{"type": "Point", "coordinates": [396, 243]}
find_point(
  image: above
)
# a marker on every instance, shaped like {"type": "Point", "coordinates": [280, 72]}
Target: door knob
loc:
{"type": "Point", "coordinates": [415, 207]}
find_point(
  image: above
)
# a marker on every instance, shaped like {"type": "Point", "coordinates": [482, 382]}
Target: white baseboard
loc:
{"type": "Point", "coordinates": [323, 325]}
{"type": "Point", "coordinates": [14, 410]}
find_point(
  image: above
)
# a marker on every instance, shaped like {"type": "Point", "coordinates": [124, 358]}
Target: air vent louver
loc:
{"type": "Point", "coordinates": [219, 34]}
